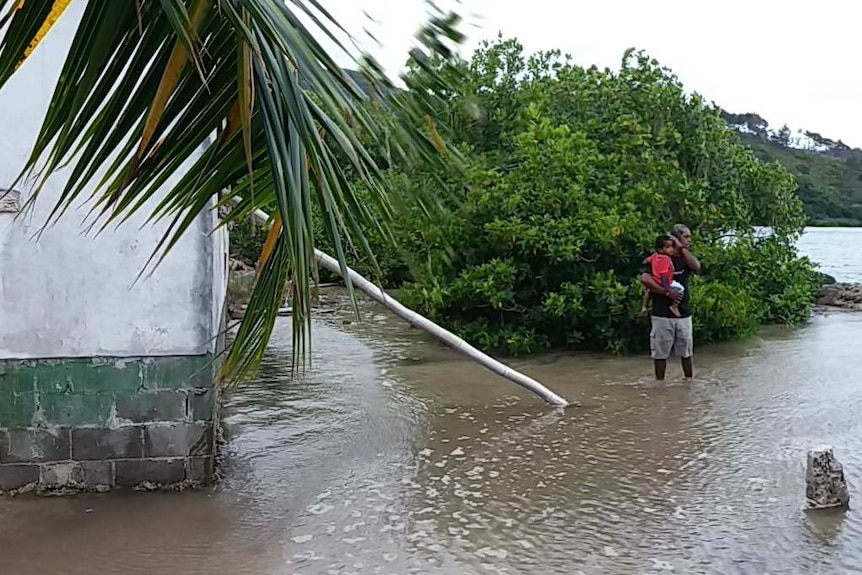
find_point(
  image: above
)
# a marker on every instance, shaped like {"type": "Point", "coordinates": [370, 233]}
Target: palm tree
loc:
{"type": "Point", "coordinates": [247, 81]}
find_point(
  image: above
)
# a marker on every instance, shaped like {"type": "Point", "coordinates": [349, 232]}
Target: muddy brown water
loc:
{"type": "Point", "coordinates": [393, 455]}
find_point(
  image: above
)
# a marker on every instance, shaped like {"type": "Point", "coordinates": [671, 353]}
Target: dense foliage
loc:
{"type": "Point", "coordinates": [571, 174]}
{"type": "Point", "coordinates": [830, 187]}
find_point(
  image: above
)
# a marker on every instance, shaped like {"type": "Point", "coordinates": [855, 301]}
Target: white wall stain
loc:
{"type": "Point", "coordinates": [71, 294]}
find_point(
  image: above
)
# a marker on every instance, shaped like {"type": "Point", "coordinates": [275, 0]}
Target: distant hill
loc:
{"type": "Point", "coordinates": [829, 172]}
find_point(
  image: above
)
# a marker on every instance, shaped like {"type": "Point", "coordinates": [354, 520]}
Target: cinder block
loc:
{"type": "Point", "coordinates": [178, 440]}
{"type": "Point", "coordinates": [34, 445]}
{"type": "Point", "coordinates": [202, 404]}
{"type": "Point", "coordinates": [131, 473]}
{"type": "Point", "coordinates": [74, 409]}
{"type": "Point", "coordinates": [149, 406]}
{"type": "Point", "coordinates": [101, 443]}
{"type": "Point", "coordinates": [18, 475]}
{"type": "Point", "coordinates": [96, 473]}
{"type": "Point", "coordinates": [62, 474]}
{"type": "Point", "coordinates": [77, 474]}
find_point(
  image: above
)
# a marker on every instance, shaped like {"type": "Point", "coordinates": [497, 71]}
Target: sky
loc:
{"type": "Point", "coordinates": [791, 62]}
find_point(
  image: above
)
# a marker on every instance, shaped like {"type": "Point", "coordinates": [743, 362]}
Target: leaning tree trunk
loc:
{"type": "Point", "coordinates": [425, 324]}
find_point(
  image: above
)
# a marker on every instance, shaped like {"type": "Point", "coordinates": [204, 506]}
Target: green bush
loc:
{"type": "Point", "coordinates": [572, 173]}
{"type": "Point", "coordinates": [246, 241]}
{"type": "Point", "coordinates": [569, 174]}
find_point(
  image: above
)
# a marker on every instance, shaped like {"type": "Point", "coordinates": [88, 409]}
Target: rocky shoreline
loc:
{"type": "Point", "coordinates": [840, 295]}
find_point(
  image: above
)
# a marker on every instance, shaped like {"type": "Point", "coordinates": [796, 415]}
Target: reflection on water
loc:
{"type": "Point", "coordinates": [394, 455]}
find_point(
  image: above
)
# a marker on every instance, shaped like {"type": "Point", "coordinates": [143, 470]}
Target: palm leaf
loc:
{"type": "Point", "coordinates": [145, 86]}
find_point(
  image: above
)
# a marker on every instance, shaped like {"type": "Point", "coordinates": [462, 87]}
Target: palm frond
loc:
{"type": "Point", "coordinates": [243, 91]}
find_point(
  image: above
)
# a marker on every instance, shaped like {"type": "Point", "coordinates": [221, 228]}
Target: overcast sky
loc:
{"type": "Point", "coordinates": [791, 62]}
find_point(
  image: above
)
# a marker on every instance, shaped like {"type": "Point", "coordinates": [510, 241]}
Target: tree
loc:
{"type": "Point", "coordinates": [572, 173]}
{"type": "Point", "coordinates": [155, 79]}
{"type": "Point", "coordinates": [782, 138]}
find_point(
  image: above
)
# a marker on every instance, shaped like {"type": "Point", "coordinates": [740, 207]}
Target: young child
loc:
{"type": "Point", "coordinates": [662, 272]}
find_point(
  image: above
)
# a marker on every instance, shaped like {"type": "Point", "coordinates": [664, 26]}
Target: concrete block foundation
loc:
{"type": "Point", "coordinates": [106, 375]}
{"type": "Point", "coordinates": [98, 424]}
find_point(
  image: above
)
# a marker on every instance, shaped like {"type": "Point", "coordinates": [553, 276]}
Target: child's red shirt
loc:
{"type": "Point", "coordinates": [662, 269]}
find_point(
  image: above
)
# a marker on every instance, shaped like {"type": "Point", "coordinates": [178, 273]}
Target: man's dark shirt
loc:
{"type": "Point", "coordinates": [661, 303]}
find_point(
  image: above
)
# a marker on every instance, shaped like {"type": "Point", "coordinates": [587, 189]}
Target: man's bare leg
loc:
{"type": "Point", "coordinates": [687, 367]}
{"type": "Point", "coordinates": [660, 368]}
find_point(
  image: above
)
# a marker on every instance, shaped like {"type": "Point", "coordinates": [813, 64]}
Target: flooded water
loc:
{"type": "Point", "coordinates": [837, 250]}
{"type": "Point", "coordinates": [393, 455]}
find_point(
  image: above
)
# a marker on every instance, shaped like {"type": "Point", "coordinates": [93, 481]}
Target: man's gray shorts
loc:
{"type": "Point", "coordinates": [671, 335]}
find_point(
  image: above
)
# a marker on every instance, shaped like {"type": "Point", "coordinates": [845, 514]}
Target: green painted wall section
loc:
{"type": "Point", "coordinates": [104, 391]}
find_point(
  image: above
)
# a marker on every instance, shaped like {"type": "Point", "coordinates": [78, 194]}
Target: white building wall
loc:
{"type": "Point", "coordinates": [67, 294]}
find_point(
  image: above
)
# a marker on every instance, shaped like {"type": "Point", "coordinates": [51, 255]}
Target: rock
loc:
{"type": "Point", "coordinates": [239, 266]}
{"type": "Point", "coordinates": [236, 312]}
{"type": "Point", "coordinates": [843, 295]}
{"type": "Point", "coordinates": [825, 484]}
{"type": "Point", "coordinates": [826, 279]}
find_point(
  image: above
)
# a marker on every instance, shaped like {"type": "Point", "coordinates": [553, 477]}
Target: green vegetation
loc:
{"type": "Point", "coordinates": [570, 175]}
{"type": "Point", "coordinates": [829, 177]}
{"type": "Point", "coordinates": [830, 188]}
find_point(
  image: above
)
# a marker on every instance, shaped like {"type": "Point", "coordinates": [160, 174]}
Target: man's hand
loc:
{"type": "Point", "coordinates": [649, 282]}
{"type": "Point", "coordinates": [676, 296]}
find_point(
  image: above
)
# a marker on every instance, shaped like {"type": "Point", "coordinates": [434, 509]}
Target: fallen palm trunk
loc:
{"type": "Point", "coordinates": [423, 323]}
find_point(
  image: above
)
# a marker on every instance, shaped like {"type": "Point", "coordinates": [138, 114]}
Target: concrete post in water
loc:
{"type": "Point", "coordinates": [104, 381]}
{"type": "Point", "coordinates": [825, 484]}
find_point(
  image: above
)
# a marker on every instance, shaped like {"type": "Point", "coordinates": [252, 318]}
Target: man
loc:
{"type": "Point", "coordinates": [672, 334]}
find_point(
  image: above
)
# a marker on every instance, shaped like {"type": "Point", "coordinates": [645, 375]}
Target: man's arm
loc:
{"type": "Point", "coordinates": [690, 261]}
{"type": "Point", "coordinates": [649, 282]}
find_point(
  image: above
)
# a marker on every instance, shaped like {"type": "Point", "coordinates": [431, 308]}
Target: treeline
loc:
{"type": "Point", "coordinates": [828, 172]}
